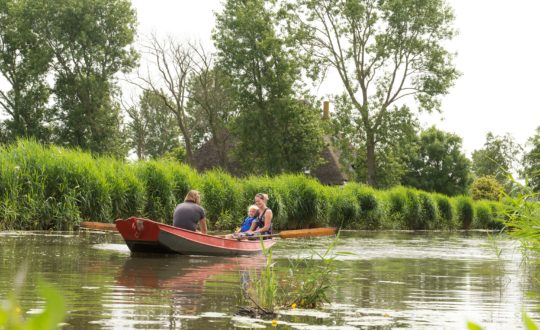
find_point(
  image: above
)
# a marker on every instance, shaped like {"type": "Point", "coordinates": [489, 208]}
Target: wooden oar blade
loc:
{"type": "Point", "coordinates": [98, 226]}
{"type": "Point", "coordinates": [307, 232]}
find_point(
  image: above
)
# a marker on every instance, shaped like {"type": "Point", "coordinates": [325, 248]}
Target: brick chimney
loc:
{"type": "Point", "coordinates": [326, 110]}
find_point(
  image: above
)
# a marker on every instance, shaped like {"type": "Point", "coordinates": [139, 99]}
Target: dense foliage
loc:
{"type": "Point", "coordinates": [440, 165]}
{"type": "Point", "coordinates": [496, 158]}
{"type": "Point", "coordinates": [56, 188]}
{"type": "Point", "coordinates": [152, 131]}
{"type": "Point", "coordinates": [531, 162]}
{"type": "Point", "coordinates": [383, 51]}
{"type": "Point", "coordinates": [488, 188]}
{"type": "Point", "coordinates": [71, 50]}
{"type": "Point", "coordinates": [277, 129]}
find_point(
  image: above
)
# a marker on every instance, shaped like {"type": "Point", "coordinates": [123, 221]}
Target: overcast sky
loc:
{"type": "Point", "coordinates": [498, 54]}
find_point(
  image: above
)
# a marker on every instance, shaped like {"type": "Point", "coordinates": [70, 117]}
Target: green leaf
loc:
{"type": "Point", "coordinates": [529, 323]}
{"type": "Point", "coordinates": [54, 310]}
{"type": "Point", "coordinates": [473, 326]}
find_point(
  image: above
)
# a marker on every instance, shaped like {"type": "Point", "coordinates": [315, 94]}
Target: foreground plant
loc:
{"type": "Point", "coordinates": [54, 309]}
{"type": "Point", "coordinates": [311, 278]}
{"type": "Point", "coordinates": [306, 284]}
{"type": "Point", "coordinates": [522, 212]}
{"type": "Point", "coordinates": [527, 321]}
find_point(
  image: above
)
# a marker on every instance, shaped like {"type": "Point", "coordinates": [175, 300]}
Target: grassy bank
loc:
{"type": "Point", "coordinates": [56, 188]}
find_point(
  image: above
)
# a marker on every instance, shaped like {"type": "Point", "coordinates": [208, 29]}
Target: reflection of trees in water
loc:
{"type": "Point", "coordinates": [400, 283]}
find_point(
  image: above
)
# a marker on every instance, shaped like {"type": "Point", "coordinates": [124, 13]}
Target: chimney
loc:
{"type": "Point", "coordinates": [326, 110]}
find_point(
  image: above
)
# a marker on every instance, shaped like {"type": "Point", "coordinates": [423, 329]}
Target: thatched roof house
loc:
{"type": "Point", "coordinates": [214, 155]}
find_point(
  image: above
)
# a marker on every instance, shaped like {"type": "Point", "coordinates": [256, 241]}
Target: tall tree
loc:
{"type": "Point", "coordinates": [396, 141]}
{"type": "Point", "coordinates": [383, 51]}
{"type": "Point", "coordinates": [211, 107]}
{"type": "Point", "coordinates": [24, 62]}
{"type": "Point", "coordinates": [531, 161]}
{"type": "Point", "coordinates": [173, 64]}
{"type": "Point", "coordinates": [91, 42]}
{"type": "Point", "coordinates": [440, 165]}
{"type": "Point", "coordinates": [276, 129]}
{"type": "Point", "coordinates": [152, 130]}
{"type": "Point", "coordinates": [496, 158]}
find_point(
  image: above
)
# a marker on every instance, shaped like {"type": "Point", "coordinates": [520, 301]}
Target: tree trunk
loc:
{"type": "Point", "coordinates": [187, 139]}
{"type": "Point", "coordinates": [370, 158]}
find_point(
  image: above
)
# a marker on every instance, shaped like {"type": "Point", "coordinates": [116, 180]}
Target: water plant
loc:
{"type": "Point", "coordinates": [522, 214]}
{"type": "Point", "coordinates": [306, 283]}
{"type": "Point", "coordinates": [311, 278]}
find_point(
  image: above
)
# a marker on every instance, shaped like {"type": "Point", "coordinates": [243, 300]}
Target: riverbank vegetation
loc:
{"type": "Point", "coordinates": [249, 106]}
{"type": "Point", "coordinates": [56, 188]}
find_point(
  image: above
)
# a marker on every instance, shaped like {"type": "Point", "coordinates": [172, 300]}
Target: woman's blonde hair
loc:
{"type": "Point", "coordinates": [193, 196]}
{"type": "Point", "coordinates": [262, 196]}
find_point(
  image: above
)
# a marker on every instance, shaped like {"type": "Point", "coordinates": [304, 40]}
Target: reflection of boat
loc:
{"type": "Point", "coordinates": [184, 283]}
{"type": "Point", "coordinates": [181, 273]}
{"type": "Point", "coordinates": [143, 235]}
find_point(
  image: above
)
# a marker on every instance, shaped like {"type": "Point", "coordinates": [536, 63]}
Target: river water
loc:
{"type": "Point", "coordinates": [387, 280]}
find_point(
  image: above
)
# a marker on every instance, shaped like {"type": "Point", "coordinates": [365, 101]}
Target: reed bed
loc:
{"type": "Point", "coordinates": [55, 188]}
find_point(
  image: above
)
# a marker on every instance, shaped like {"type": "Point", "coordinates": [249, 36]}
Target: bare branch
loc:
{"type": "Point", "coordinates": [7, 104]}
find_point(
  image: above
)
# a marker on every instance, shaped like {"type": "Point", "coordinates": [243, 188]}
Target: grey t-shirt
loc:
{"type": "Point", "coordinates": [187, 215]}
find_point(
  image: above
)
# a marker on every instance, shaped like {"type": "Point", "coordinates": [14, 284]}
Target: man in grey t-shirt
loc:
{"type": "Point", "coordinates": [189, 214]}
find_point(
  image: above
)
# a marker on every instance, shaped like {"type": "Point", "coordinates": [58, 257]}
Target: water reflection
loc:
{"type": "Point", "coordinates": [184, 286]}
{"type": "Point", "coordinates": [393, 280]}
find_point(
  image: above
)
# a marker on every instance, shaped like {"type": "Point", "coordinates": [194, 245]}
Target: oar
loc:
{"type": "Point", "coordinates": [98, 226]}
{"type": "Point", "coordinates": [305, 233]}
{"type": "Point", "coordinates": [327, 231]}
{"type": "Point", "coordinates": [312, 232]}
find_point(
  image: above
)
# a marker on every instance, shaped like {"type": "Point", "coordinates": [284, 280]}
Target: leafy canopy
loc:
{"type": "Point", "coordinates": [440, 165]}
{"type": "Point", "coordinates": [277, 129]}
{"type": "Point", "coordinates": [384, 52]}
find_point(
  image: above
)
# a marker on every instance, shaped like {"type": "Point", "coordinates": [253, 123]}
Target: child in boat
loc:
{"type": "Point", "coordinates": [246, 225]}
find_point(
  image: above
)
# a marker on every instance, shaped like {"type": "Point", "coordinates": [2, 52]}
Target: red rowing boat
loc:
{"type": "Point", "coordinates": [144, 235]}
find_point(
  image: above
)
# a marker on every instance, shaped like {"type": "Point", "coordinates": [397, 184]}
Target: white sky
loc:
{"type": "Point", "coordinates": [498, 54]}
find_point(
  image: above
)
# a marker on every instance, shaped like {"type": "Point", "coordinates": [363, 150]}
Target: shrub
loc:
{"type": "Point", "coordinates": [9, 194]}
{"type": "Point", "coordinates": [428, 212]}
{"type": "Point", "coordinates": [368, 206]}
{"type": "Point", "coordinates": [159, 197]}
{"type": "Point", "coordinates": [412, 210]}
{"type": "Point", "coordinates": [445, 214]}
{"type": "Point", "coordinates": [498, 215]}
{"type": "Point", "coordinates": [184, 179]}
{"type": "Point", "coordinates": [305, 201]}
{"type": "Point", "coordinates": [127, 191]}
{"type": "Point", "coordinates": [221, 197]}
{"type": "Point", "coordinates": [464, 211]}
{"type": "Point", "coordinates": [396, 200]}
{"type": "Point", "coordinates": [486, 215]}
{"type": "Point", "coordinates": [483, 216]}
{"type": "Point", "coordinates": [344, 208]}
{"type": "Point", "coordinates": [486, 187]}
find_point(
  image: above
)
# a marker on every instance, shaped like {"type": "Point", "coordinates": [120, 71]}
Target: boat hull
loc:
{"type": "Point", "coordinates": [144, 235]}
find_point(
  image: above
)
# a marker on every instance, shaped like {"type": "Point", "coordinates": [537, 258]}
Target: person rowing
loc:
{"type": "Point", "coordinates": [189, 214]}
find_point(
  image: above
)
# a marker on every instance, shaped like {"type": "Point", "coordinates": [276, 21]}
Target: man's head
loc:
{"type": "Point", "coordinates": [193, 196]}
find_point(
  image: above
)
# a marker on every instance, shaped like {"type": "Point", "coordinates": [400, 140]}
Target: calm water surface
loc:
{"type": "Point", "coordinates": [392, 280]}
